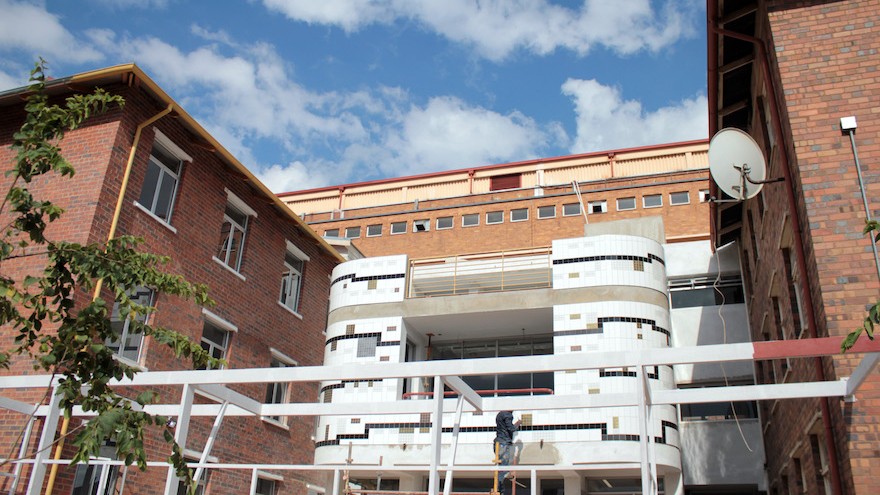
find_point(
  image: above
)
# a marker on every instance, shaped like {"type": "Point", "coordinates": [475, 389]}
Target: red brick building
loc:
{"type": "Point", "coordinates": [787, 72]}
{"type": "Point", "coordinates": [185, 197]}
{"type": "Point", "coordinates": [519, 205]}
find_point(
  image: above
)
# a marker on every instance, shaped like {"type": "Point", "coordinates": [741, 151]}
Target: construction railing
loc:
{"type": "Point", "coordinates": [481, 272]}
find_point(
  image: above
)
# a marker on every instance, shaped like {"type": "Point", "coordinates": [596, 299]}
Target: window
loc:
{"type": "Point", "coordinates": [718, 411]}
{"type": "Point", "coordinates": [795, 299]}
{"type": "Point", "coordinates": [624, 204]}
{"type": "Point", "coordinates": [232, 233]}
{"type": "Point", "coordinates": [291, 277]}
{"type": "Point", "coordinates": [703, 291]}
{"type": "Point", "coordinates": [704, 195]}
{"type": "Point", "coordinates": [547, 211]}
{"type": "Point", "coordinates": [277, 393]}
{"type": "Point", "coordinates": [88, 477]}
{"type": "Point", "coordinates": [679, 198]}
{"type": "Point", "coordinates": [520, 346]}
{"type": "Point", "coordinates": [163, 174]}
{"type": "Point", "coordinates": [571, 209]}
{"type": "Point", "coordinates": [128, 340]}
{"type": "Point", "coordinates": [202, 483]}
{"type": "Point", "coordinates": [470, 220]}
{"type": "Point", "coordinates": [494, 217]}
{"type": "Point", "coordinates": [509, 181]}
{"type": "Point", "coordinates": [652, 201]}
{"type": "Point", "coordinates": [374, 230]}
{"type": "Point", "coordinates": [331, 233]}
{"type": "Point", "coordinates": [598, 206]}
{"type": "Point", "coordinates": [423, 225]}
{"type": "Point", "coordinates": [352, 232]}
{"type": "Point", "coordinates": [444, 223]}
{"type": "Point", "coordinates": [398, 228]}
{"type": "Point", "coordinates": [519, 215]}
{"type": "Point", "coordinates": [216, 335]}
{"type": "Point", "coordinates": [265, 487]}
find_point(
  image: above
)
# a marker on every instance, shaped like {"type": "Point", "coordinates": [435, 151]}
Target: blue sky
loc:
{"type": "Point", "coordinates": [308, 93]}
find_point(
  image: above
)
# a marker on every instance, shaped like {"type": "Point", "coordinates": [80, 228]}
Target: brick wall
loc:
{"type": "Point", "coordinates": [99, 152]}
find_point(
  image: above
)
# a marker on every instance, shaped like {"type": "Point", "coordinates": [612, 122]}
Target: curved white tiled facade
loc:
{"type": "Point", "coordinates": [565, 437]}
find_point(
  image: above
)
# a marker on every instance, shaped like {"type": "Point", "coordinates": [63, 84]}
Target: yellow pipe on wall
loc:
{"type": "Point", "coordinates": [53, 473]}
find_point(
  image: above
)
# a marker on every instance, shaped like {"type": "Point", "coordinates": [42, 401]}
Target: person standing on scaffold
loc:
{"type": "Point", "coordinates": [505, 428]}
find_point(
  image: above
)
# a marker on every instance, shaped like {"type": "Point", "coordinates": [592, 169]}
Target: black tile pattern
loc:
{"type": "Point", "coordinates": [378, 335]}
{"type": "Point", "coordinates": [650, 258]}
{"type": "Point", "coordinates": [605, 373]}
{"type": "Point", "coordinates": [343, 382]}
{"type": "Point", "coordinates": [603, 427]}
{"type": "Point", "coordinates": [354, 278]}
{"type": "Point", "coordinates": [615, 319]}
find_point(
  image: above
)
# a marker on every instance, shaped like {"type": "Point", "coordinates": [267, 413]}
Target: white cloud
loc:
{"type": "Point", "coordinates": [497, 28]}
{"type": "Point", "coordinates": [296, 176]}
{"type": "Point", "coordinates": [12, 80]}
{"type": "Point", "coordinates": [29, 27]}
{"type": "Point", "coordinates": [606, 121]}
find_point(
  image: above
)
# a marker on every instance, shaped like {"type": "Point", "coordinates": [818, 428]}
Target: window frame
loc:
{"type": "Point", "coordinates": [544, 217]}
{"type": "Point", "coordinates": [470, 215]}
{"type": "Point", "coordinates": [633, 198]}
{"type": "Point", "coordinates": [569, 214]}
{"type": "Point", "coordinates": [500, 214]}
{"type": "Point", "coordinates": [369, 234]}
{"type": "Point", "coordinates": [287, 279]}
{"type": "Point", "coordinates": [234, 203]}
{"type": "Point", "coordinates": [212, 319]}
{"type": "Point", "coordinates": [405, 226]}
{"type": "Point", "coordinates": [451, 223]}
{"type": "Point", "coordinates": [521, 219]}
{"type": "Point", "coordinates": [645, 201]}
{"type": "Point", "coordinates": [356, 229]}
{"type": "Point", "coordinates": [172, 151]}
{"type": "Point", "coordinates": [421, 225]}
{"type": "Point", "coordinates": [119, 352]}
{"type": "Point", "coordinates": [327, 233]}
{"type": "Point", "coordinates": [687, 195]}
{"type": "Point", "coordinates": [602, 205]}
{"type": "Point", "coordinates": [278, 392]}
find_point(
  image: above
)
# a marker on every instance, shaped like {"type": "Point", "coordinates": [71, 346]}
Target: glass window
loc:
{"type": "Point", "coordinates": [398, 228]}
{"type": "Point", "coordinates": [331, 233]}
{"type": "Point", "coordinates": [470, 220]}
{"type": "Point", "coordinates": [265, 487]}
{"type": "Point", "coordinates": [214, 340]}
{"type": "Point", "coordinates": [232, 235]}
{"type": "Point", "coordinates": [519, 215]}
{"type": "Point", "coordinates": [547, 211]}
{"type": "Point", "coordinates": [626, 204]}
{"type": "Point", "coordinates": [88, 477]}
{"type": "Point", "coordinates": [128, 340]}
{"type": "Point", "coordinates": [692, 293]}
{"type": "Point", "coordinates": [160, 183]}
{"type": "Point", "coordinates": [652, 201]}
{"type": "Point", "coordinates": [423, 225]}
{"type": "Point", "coordinates": [291, 281]}
{"type": "Point", "coordinates": [494, 217]}
{"type": "Point", "coordinates": [352, 232]}
{"type": "Point", "coordinates": [679, 198]}
{"type": "Point", "coordinates": [716, 411]}
{"type": "Point", "coordinates": [571, 209]}
{"type": "Point", "coordinates": [277, 393]}
{"type": "Point", "coordinates": [444, 223]}
{"type": "Point", "coordinates": [374, 230]}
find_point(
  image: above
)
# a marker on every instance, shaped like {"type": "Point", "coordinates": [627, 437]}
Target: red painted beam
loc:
{"type": "Point", "coordinates": [826, 346]}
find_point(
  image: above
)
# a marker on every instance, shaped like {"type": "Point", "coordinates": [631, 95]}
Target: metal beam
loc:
{"type": "Point", "coordinates": [464, 390]}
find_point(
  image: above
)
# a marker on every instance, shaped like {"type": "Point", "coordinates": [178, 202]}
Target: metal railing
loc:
{"type": "Point", "coordinates": [480, 272]}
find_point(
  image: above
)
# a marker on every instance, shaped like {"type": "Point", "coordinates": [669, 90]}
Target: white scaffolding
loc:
{"type": "Point", "coordinates": [229, 403]}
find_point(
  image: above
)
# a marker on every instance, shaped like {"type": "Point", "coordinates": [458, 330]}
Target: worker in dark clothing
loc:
{"type": "Point", "coordinates": [505, 427]}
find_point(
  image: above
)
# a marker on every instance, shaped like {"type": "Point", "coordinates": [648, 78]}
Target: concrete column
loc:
{"type": "Point", "coordinates": [572, 485]}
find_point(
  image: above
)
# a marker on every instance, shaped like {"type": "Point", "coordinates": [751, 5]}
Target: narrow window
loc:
{"type": "Point", "coordinates": [265, 487]}
{"type": "Point", "coordinates": [444, 223]}
{"type": "Point", "coordinates": [652, 201]}
{"type": "Point", "coordinates": [374, 230]}
{"type": "Point", "coordinates": [331, 233]}
{"type": "Point", "coordinates": [277, 393]}
{"type": "Point", "coordinates": [215, 340]}
{"type": "Point", "coordinates": [233, 232]}
{"type": "Point", "coordinates": [547, 211]}
{"type": "Point", "coordinates": [470, 220]}
{"type": "Point", "coordinates": [519, 215]}
{"type": "Point", "coordinates": [352, 232]}
{"type": "Point", "coordinates": [423, 225]}
{"type": "Point", "coordinates": [128, 339]}
{"type": "Point", "coordinates": [494, 217]}
{"type": "Point", "coordinates": [163, 174]}
{"type": "Point", "coordinates": [571, 209]}
{"type": "Point", "coordinates": [679, 198]}
{"type": "Point", "coordinates": [398, 228]}
{"type": "Point", "coordinates": [291, 277]}
{"type": "Point", "coordinates": [624, 204]}
{"type": "Point", "coordinates": [598, 206]}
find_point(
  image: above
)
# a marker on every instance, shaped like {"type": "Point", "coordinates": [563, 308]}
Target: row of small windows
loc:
{"type": "Point", "coordinates": [517, 215]}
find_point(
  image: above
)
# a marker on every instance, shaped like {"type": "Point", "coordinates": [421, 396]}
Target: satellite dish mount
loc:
{"type": "Point", "coordinates": [737, 165]}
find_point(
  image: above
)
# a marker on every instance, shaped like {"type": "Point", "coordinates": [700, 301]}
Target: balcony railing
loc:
{"type": "Point", "coordinates": [484, 272]}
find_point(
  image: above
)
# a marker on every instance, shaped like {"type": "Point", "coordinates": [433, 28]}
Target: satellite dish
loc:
{"type": "Point", "coordinates": [736, 164]}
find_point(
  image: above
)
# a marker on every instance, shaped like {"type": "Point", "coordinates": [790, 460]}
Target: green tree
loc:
{"type": "Point", "coordinates": [56, 321]}
{"type": "Point", "coordinates": [873, 316]}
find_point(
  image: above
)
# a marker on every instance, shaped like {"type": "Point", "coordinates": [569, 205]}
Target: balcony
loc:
{"type": "Point", "coordinates": [479, 273]}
